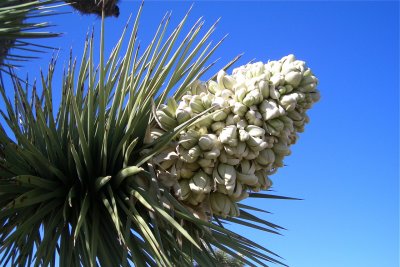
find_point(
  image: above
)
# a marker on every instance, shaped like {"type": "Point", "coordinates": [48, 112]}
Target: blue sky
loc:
{"type": "Point", "coordinates": [346, 164]}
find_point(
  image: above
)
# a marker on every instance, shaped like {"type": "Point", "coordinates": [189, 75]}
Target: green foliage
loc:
{"type": "Point", "coordinates": [17, 31]}
{"type": "Point", "coordinates": [78, 182]}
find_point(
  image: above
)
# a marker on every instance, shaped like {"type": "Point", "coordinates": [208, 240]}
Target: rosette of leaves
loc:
{"type": "Point", "coordinates": [17, 29]}
{"type": "Point", "coordinates": [78, 186]}
{"type": "Point", "coordinates": [23, 21]}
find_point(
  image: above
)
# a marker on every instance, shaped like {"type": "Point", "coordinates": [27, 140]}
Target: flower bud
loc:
{"type": "Point", "coordinates": [252, 97]}
{"type": "Point", "coordinates": [222, 205]}
{"type": "Point", "coordinates": [196, 104]}
{"type": "Point", "coordinates": [224, 174]}
{"type": "Point", "coordinates": [212, 154]}
{"type": "Point", "coordinates": [247, 179]}
{"type": "Point", "coordinates": [183, 115]}
{"type": "Point", "coordinates": [196, 198]}
{"type": "Point", "coordinates": [217, 127]}
{"type": "Point", "coordinates": [188, 139]}
{"type": "Point", "coordinates": [281, 149]}
{"type": "Point", "coordinates": [243, 135]}
{"type": "Point", "coordinates": [255, 131]}
{"type": "Point", "coordinates": [200, 183]}
{"type": "Point", "coordinates": [190, 155]}
{"type": "Point", "coordinates": [266, 157]}
{"type": "Point", "coordinates": [212, 87]}
{"type": "Point", "coordinates": [219, 115]}
{"type": "Point", "coordinates": [228, 159]}
{"type": "Point", "coordinates": [239, 109]}
{"type": "Point", "coordinates": [224, 80]}
{"type": "Point", "coordinates": [208, 141]}
{"type": "Point", "coordinates": [270, 110]}
{"type": "Point", "coordinates": [198, 87]}
{"type": "Point", "coordinates": [166, 121]}
{"type": "Point", "coordinates": [293, 78]}
{"type": "Point", "coordinates": [228, 135]}
{"type": "Point", "coordinates": [184, 190]}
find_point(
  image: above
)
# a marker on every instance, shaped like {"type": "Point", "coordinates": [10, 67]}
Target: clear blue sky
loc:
{"type": "Point", "coordinates": [346, 164]}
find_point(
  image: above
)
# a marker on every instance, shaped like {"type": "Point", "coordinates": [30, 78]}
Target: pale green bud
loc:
{"type": "Point", "coordinates": [270, 110]}
{"type": "Point", "coordinates": [217, 127]}
{"type": "Point", "coordinates": [205, 121]}
{"type": "Point", "coordinates": [247, 167]}
{"type": "Point", "coordinates": [240, 92]}
{"type": "Point", "coordinates": [190, 155]}
{"type": "Point", "coordinates": [254, 117]}
{"type": "Point", "coordinates": [226, 94]}
{"type": "Point", "coordinates": [205, 163]}
{"type": "Point", "coordinates": [293, 78]}
{"type": "Point", "coordinates": [183, 115]}
{"type": "Point", "coordinates": [241, 124]}
{"type": "Point", "coordinates": [200, 183]}
{"type": "Point", "coordinates": [255, 131]}
{"type": "Point", "coordinates": [228, 135]}
{"type": "Point", "coordinates": [288, 122]}
{"type": "Point", "coordinates": [243, 135]}
{"type": "Point", "coordinates": [273, 92]}
{"type": "Point", "coordinates": [242, 196]}
{"type": "Point", "coordinates": [229, 120]}
{"type": "Point", "coordinates": [213, 87]}
{"type": "Point", "coordinates": [207, 100]}
{"type": "Point", "coordinates": [266, 157]}
{"type": "Point", "coordinates": [289, 101]}
{"type": "Point", "coordinates": [264, 88]}
{"type": "Point", "coordinates": [222, 205]}
{"type": "Point", "coordinates": [247, 179]}
{"type": "Point", "coordinates": [252, 154]}
{"type": "Point", "coordinates": [295, 115]}
{"type": "Point", "coordinates": [276, 80]}
{"type": "Point", "coordinates": [279, 161]}
{"type": "Point", "coordinates": [219, 115]}
{"type": "Point", "coordinates": [166, 121]}
{"type": "Point", "coordinates": [196, 104]}
{"type": "Point", "coordinates": [237, 192]}
{"type": "Point", "coordinates": [224, 80]}
{"type": "Point", "coordinates": [198, 87]}
{"type": "Point", "coordinates": [241, 150]}
{"type": "Point", "coordinates": [228, 159]}
{"type": "Point", "coordinates": [286, 60]}
{"type": "Point", "coordinates": [208, 141]}
{"type": "Point", "coordinates": [239, 109]}
{"type": "Point", "coordinates": [220, 102]}
{"type": "Point", "coordinates": [184, 190]}
{"type": "Point", "coordinates": [212, 154]}
{"type": "Point", "coordinates": [252, 97]}
{"type": "Point", "coordinates": [189, 139]}
{"type": "Point", "coordinates": [281, 149]}
{"type": "Point", "coordinates": [311, 79]}
{"type": "Point", "coordinates": [277, 124]}
{"type": "Point", "coordinates": [196, 198]}
{"type": "Point", "coordinates": [224, 174]}
{"type": "Point", "coordinates": [256, 143]}
{"type": "Point", "coordinates": [308, 88]}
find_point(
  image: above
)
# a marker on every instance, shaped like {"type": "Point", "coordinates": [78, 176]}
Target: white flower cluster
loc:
{"type": "Point", "coordinates": [260, 108]}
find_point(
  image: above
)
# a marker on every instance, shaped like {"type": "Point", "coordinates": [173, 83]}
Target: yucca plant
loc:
{"type": "Point", "coordinates": [83, 185]}
{"type": "Point", "coordinates": [19, 26]}
{"type": "Point", "coordinates": [24, 21]}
